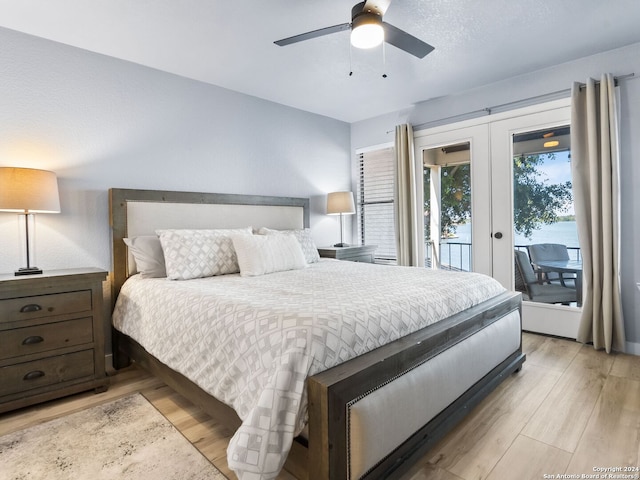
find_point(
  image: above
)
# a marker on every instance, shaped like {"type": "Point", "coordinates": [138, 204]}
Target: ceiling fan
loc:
{"type": "Point", "coordinates": [369, 30]}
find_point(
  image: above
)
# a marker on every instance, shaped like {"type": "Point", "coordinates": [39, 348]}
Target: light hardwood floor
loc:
{"type": "Point", "coordinates": [571, 409]}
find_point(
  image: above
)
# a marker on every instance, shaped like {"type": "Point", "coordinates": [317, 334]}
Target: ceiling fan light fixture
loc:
{"type": "Point", "coordinates": [367, 31]}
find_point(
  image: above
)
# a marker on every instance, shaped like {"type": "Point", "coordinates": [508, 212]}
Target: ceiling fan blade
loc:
{"type": "Point", "coordinates": [313, 34]}
{"type": "Point", "coordinates": [405, 41]}
{"type": "Point", "coordinates": [378, 7]}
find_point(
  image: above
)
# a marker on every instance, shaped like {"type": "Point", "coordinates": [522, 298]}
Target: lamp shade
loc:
{"type": "Point", "coordinates": [340, 202]}
{"type": "Point", "coordinates": [28, 190]}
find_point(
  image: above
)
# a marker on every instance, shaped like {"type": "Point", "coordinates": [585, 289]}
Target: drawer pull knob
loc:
{"type": "Point", "coordinates": [33, 375]}
{"type": "Point", "coordinates": [33, 340]}
{"type": "Point", "coordinates": [32, 307]}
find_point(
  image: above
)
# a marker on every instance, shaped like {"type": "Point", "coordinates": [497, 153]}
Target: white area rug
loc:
{"type": "Point", "coordinates": [127, 439]}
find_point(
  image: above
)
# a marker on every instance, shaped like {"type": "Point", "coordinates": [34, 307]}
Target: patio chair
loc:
{"type": "Point", "coordinates": [551, 251]}
{"type": "Point", "coordinates": [527, 283]}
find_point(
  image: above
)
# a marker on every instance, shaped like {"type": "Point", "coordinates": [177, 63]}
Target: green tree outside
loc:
{"type": "Point", "coordinates": [537, 202]}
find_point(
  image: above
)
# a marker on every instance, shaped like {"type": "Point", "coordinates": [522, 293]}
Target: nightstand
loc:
{"type": "Point", "coordinates": [361, 253]}
{"type": "Point", "coordinates": [51, 336]}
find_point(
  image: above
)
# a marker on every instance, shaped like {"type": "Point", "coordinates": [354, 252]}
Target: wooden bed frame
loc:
{"type": "Point", "coordinates": [325, 454]}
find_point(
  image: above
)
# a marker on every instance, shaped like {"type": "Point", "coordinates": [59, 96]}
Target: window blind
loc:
{"type": "Point", "coordinates": [375, 202]}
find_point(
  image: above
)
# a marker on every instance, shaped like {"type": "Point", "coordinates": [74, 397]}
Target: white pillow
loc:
{"type": "Point", "coordinates": [261, 254]}
{"type": "Point", "coordinates": [148, 256]}
{"type": "Point", "coordinates": [304, 237]}
{"type": "Point", "coordinates": [199, 253]}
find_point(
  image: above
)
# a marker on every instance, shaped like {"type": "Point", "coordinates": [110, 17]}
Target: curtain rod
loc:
{"type": "Point", "coordinates": [523, 103]}
{"type": "Point", "coordinates": [615, 79]}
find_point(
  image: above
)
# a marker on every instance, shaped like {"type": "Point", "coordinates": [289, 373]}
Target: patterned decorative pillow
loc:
{"type": "Point", "coordinates": [148, 256]}
{"type": "Point", "coordinates": [199, 253]}
{"type": "Point", "coordinates": [261, 254]}
{"type": "Point", "coordinates": [304, 237]}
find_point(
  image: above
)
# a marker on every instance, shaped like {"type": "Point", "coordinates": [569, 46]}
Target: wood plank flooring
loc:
{"type": "Point", "coordinates": [569, 410]}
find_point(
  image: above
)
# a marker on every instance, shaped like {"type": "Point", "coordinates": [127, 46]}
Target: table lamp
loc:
{"type": "Point", "coordinates": [28, 191]}
{"type": "Point", "coordinates": [341, 203]}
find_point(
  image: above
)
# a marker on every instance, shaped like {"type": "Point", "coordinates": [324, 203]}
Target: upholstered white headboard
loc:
{"type": "Point", "coordinates": [142, 212]}
{"type": "Point", "coordinates": [144, 218]}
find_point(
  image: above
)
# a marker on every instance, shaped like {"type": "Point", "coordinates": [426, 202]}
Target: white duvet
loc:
{"type": "Point", "coordinates": [252, 341]}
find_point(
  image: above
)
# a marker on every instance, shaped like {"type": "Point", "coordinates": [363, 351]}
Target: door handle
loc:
{"type": "Point", "coordinates": [498, 235]}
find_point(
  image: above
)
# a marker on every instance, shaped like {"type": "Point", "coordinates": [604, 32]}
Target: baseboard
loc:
{"type": "Point", "coordinates": [632, 348]}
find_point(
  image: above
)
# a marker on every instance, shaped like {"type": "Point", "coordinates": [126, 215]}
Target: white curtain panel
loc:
{"type": "Point", "coordinates": [407, 205]}
{"type": "Point", "coordinates": [596, 180]}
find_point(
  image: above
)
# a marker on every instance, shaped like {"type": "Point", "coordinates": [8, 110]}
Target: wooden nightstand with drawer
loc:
{"type": "Point", "coordinates": [356, 253]}
{"type": "Point", "coordinates": [51, 336]}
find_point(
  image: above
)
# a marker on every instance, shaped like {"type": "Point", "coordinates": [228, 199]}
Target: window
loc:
{"type": "Point", "coordinates": [375, 203]}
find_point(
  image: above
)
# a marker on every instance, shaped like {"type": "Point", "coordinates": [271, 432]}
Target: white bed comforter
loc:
{"type": "Point", "coordinates": [252, 341]}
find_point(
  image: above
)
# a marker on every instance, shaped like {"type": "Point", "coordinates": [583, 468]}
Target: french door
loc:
{"type": "Point", "coordinates": [457, 211]}
{"type": "Point", "coordinates": [532, 151]}
{"type": "Point", "coordinates": [515, 201]}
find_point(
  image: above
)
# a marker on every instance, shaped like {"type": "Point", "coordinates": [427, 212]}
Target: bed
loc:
{"type": "Point", "coordinates": [364, 410]}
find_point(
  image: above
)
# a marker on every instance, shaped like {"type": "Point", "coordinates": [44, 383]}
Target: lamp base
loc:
{"type": "Point", "coordinates": [342, 245]}
{"type": "Point", "coordinates": [28, 271]}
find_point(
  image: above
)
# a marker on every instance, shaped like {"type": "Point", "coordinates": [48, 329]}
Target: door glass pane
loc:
{"type": "Point", "coordinates": [447, 207]}
{"type": "Point", "coordinates": [548, 267]}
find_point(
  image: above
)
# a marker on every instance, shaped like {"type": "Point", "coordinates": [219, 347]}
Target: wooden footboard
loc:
{"type": "Point", "coordinates": [330, 392]}
{"type": "Point", "coordinates": [333, 392]}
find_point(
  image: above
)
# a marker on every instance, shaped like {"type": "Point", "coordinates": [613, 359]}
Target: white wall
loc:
{"type": "Point", "coordinates": [620, 62]}
{"type": "Point", "coordinates": [100, 122]}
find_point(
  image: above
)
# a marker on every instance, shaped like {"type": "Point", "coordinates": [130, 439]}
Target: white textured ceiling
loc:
{"type": "Point", "coordinates": [229, 43]}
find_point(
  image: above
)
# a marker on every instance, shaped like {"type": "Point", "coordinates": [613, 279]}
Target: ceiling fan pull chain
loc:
{"type": "Point", "coordinates": [350, 60]}
{"type": "Point", "coordinates": [384, 61]}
